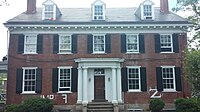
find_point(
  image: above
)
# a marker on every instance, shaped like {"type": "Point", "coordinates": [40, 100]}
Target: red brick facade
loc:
{"type": "Point", "coordinates": [47, 60]}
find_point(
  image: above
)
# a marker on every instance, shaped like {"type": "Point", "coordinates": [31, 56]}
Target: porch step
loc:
{"type": "Point", "coordinates": [100, 107]}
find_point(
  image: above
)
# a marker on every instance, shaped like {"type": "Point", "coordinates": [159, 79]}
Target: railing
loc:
{"type": "Point", "coordinates": [2, 97]}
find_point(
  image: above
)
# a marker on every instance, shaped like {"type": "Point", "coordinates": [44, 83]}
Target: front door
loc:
{"type": "Point", "coordinates": [99, 87]}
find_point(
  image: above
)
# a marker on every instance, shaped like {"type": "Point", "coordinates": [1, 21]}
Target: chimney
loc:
{"type": "Point", "coordinates": [31, 6]}
{"type": "Point", "coordinates": [164, 7]}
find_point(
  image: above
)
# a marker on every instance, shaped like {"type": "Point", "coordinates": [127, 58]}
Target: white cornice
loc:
{"type": "Point", "coordinates": [98, 28]}
{"type": "Point", "coordinates": [99, 25]}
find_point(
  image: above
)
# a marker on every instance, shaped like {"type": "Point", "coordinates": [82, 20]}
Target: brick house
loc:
{"type": "Point", "coordinates": [76, 56]}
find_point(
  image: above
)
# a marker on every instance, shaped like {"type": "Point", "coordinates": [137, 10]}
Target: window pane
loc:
{"type": "Point", "coordinates": [147, 10]}
{"type": "Point", "coordinates": [166, 43]}
{"type": "Point", "coordinates": [132, 43]}
{"type": "Point", "coordinates": [48, 7]}
{"type": "Point", "coordinates": [29, 80]}
{"type": "Point", "coordinates": [98, 10]}
{"type": "Point", "coordinates": [133, 78]}
{"type": "Point", "coordinates": [64, 79]}
{"type": "Point", "coordinates": [168, 78]}
{"type": "Point", "coordinates": [30, 43]}
{"type": "Point", "coordinates": [64, 44]}
{"type": "Point", "coordinates": [99, 43]}
{"type": "Point", "coordinates": [49, 12]}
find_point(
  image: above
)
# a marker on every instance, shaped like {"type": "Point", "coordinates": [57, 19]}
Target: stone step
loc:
{"type": "Point", "coordinates": [100, 107]}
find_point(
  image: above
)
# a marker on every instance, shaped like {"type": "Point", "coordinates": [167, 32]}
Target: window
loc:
{"type": "Point", "coordinates": [166, 43]}
{"type": "Point", "coordinates": [99, 71]}
{"type": "Point", "coordinates": [49, 12]}
{"type": "Point", "coordinates": [30, 44]}
{"type": "Point", "coordinates": [148, 11]}
{"type": "Point", "coordinates": [64, 79]}
{"type": "Point", "coordinates": [168, 78]}
{"type": "Point", "coordinates": [64, 44]}
{"type": "Point", "coordinates": [98, 12]}
{"type": "Point", "coordinates": [99, 44]}
{"type": "Point", "coordinates": [134, 79]}
{"type": "Point", "coordinates": [29, 80]}
{"type": "Point", "coordinates": [132, 43]}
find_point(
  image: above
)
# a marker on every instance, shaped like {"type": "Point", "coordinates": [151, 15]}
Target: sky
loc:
{"type": "Point", "coordinates": [17, 7]}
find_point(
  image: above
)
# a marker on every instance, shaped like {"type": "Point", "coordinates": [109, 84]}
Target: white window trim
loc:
{"type": "Point", "coordinates": [64, 67]}
{"type": "Point", "coordinates": [70, 52]}
{"type": "Point", "coordinates": [28, 92]}
{"type": "Point", "coordinates": [152, 11]}
{"type": "Point", "coordinates": [172, 48]}
{"type": "Point", "coordinates": [174, 80]}
{"type": "Point", "coordinates": [54, 12]}
{"type": "Point", "coordinates": [137, 67]}
{"type": "Point", "coordinates": [99, 52]}
{"type": "Point", "coordinates": [93, 12]}
{"type": "Point", "coordinates": [25, 44]}
{"type": "Point", "coordinates": [136, 51]}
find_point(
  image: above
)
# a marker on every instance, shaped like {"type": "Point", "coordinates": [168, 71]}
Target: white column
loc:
{"type": "Point", "coordinates": [119, 85]}
{"type": "Point", "coordinates": [80, 86]}
{"type": "Point", "coordinates": [114, 88]}
{"type": "Point", "coordinates": [85, 81]}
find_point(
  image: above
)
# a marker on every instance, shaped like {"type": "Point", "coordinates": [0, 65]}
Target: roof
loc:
{"type": "Point", "coordinates": [83, 15]}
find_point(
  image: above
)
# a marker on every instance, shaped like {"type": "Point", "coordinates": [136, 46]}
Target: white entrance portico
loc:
{"type": "Point", "coordinates": [111, 77]}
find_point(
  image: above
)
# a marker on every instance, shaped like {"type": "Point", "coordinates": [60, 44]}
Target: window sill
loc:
{"type": "Point", "coordinates": [66, 53]}
{"type": "Point", "coordinates": [169, 91]}
{"type": "Point", "coordinates": [99, 53]}
{"type": "Point", "coordinates": [29, 53]}
{"type": "Point", "coordinates": [134, 91]}
{"type": "Point", "coordinates": [167, 52]}
{"type": "Point", "coordinates": [64, 92]}
{"type": "Point", "coordinates": [133, 53]}
{"type": "Point", "coordinates": [28, 93]}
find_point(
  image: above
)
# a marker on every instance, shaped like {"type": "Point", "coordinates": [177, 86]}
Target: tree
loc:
{"type": "Point", "coordinates": [194, 7]}
{"type": "Point", "coordinates": [3, 2]}
{"type": "Point", "coordinates": [191, 62]}
{"type": "Point", "coordinates": [191, 66]}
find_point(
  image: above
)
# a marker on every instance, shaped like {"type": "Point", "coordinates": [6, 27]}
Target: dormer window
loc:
{"type": "Point", "coordinates": [98, 10]}
{"type": "Point", "coordinates": [147, 11]}
{"type": "Point", "coordinates": [50, 11]}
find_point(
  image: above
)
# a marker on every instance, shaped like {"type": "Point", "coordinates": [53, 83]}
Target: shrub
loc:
{"type": "Point", "coordinates": [156, 105]}
{"type": "Point", "coordinates": [187, 105]}
{"type": "Point", "coordinates": [32, 105]}
{"type": "Point", "coordinates": [14, 108]}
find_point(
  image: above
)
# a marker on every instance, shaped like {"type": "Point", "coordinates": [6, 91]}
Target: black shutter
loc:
{"type": "Point", "coordinates": [143, 79]}
{"type": "Point", "coordinates": [108, 43]}
{"type": "Point", "coordinates": [159, 78]}
{"type": "Point", "coordinates": [90, 43]}
{"type": "Point", "coordinates": [55, 43]}
{"type": "Point", "coordinates": [20, 44]}
{"type": "Point", "coordinates": [157, 43]}
{"type": "Point", "coordinates": [19, 80]}
{"type": "Point", "coordinates": [74, 43]}
{"type": "Point", "coordinates": [39, 43]}
{"type": "Point", "coordinates": [55, 80]}
{"type": "Point", "coordinates": [141, 44]}
{"type": "Point", "coordinates": [74, 80]}
{"type": "Point", "coordinates": [178, 79]}
{"type": "Point", "coordinates": [175, 43]}
{"type": "Point", "coordinates": [39, 81]}
{"type": "Point", "coordinates": [123, 43]}
{"type": "Point", "coordinates": [124, 79]}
